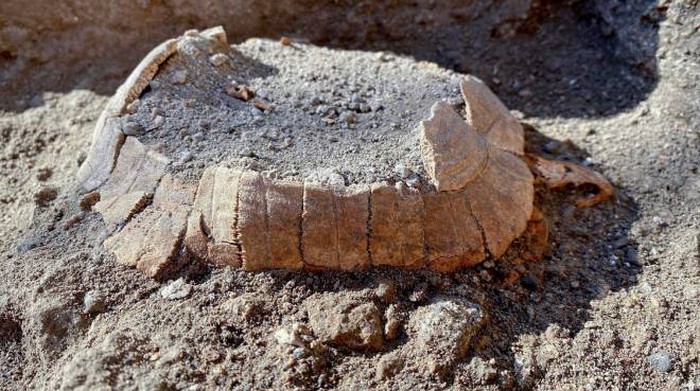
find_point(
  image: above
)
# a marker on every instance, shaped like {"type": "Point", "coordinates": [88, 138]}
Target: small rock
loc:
{"type": "Point", "coordinates": [285, 41]}
{"type": "Point", "coordinates": [420, 293]}
{"type": "Point", "coordinates": [299, 353]}
{"type": "Point", "coordinates": [293, 335]}
{"type": "Point", "coordinates": [89, 200]}
{"type": "Point", "coordinates": [315, 100]}
{"type": "Point", "coordinates": [322, 109]}
{"type": "Point", "coordinates": [240, 92]}
{"type": "Point", "coordinates": [402, 171]}
{"type": "Point", "coordinates": [131, 128]}
{"type": "Point", "coordinates": [176, 290]}
{"type": "Point", "coordinates": [413, 181]}
{"type": "Point", "coordinates": [347, 117]}
{"type": "Point", "coordinates": [485, 276]}
{"type": "Point", "coordinates": [245, 308]}
{"type": "Point", "coordinates": [94, 302]}
{"type": "Point", "coordinates": [347, 321]}
{"type": "Point", "coordinates": [211, 355]}
{"type": "Point", "coordinates": [394, 320]}
{"type": "Point", "coordinates": [356, 98]}
{"type": "Point", "coordinates": [383, 57]}
{"type": "Point", "coordinates": [327, 177]}
{"type": "Point", "coordinates": [179, 77]}
{"type": "Point", "coordinates": [660, 361]}
{"type": "Point", "coordinates": [198, 137]}
{"type": "Point", "coordinates": [45, 195]}
{"type": "Point", "coordinates": [158, 121]}
{"type": "Point", "coordinates": [386, 291]}
{"type": "Point", "coordinates": [44, 174]}
{"type": "Point", "coordinates": [218, 59]}
{"type": "Point", "coordinates": [443, 330]}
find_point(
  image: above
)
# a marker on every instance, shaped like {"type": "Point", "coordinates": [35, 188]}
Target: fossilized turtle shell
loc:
{"type": "Point", "coordinates": [479, 199]}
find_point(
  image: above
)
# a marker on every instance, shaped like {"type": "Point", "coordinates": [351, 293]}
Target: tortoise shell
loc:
{"type": "Point", "coordinates": [472, 197]}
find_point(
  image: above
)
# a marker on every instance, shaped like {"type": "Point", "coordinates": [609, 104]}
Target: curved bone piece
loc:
{"type": "Point", "coordinates": [211, 226]}
{"type": "Point", "coordinates": [480, 200]}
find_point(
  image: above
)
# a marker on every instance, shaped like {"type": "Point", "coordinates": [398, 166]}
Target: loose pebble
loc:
{"type": "Point", "coordinates": [131, 128]}
{"type": "Point", "coordinates": [218, 59]}
{"type": "Point", "coordinates": [660, 361]}
{"type": "Point", "coordinates": [176, 290]}
{"type": "Point", "coordinates": [94, 302]}
{"type": "Point", "coordinates": [45, 196]}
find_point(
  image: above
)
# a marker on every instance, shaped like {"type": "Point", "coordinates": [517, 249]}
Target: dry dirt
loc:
{"type": "Point", "coordinates": [612, 85]}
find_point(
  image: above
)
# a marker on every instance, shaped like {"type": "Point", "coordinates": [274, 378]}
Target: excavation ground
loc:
{"type": "Point", "coordinates": [613, 306]}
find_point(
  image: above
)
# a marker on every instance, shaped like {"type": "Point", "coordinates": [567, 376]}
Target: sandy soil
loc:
{"type": "Point", "coordinates": [614, 305]}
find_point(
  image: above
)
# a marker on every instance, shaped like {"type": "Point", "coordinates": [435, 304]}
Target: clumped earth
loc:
{"type": "Point", "coordinates": [614, 305]}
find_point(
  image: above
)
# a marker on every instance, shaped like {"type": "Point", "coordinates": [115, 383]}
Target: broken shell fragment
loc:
{"type": "Point", "coordinates": [453, 153]}
{"type": "Point", "coordinates": [470, 199]}
{"type": "Point", "coordinates": [490, 117]}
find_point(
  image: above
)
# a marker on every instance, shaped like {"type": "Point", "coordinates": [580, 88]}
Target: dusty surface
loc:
{"type": "Point", "coordinates": [353, 114]}
{"type": "Point", "coordinates": [614, 305]}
